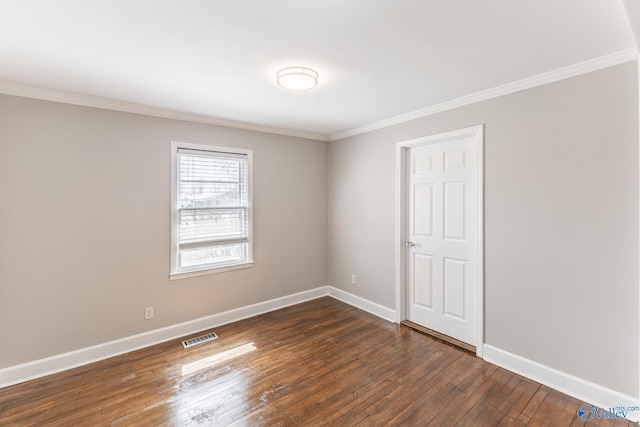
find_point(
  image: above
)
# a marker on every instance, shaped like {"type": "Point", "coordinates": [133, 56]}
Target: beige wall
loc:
{"type": "Point", "coordinates": [84, 223]}
{"type": "Point", "coordinates": [84, 226]}
{"type": "Point", "coordinates": [561, 221]}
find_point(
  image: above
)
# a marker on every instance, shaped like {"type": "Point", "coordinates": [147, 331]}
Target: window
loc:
{"type": "Point", "coordinates": [211, 209]}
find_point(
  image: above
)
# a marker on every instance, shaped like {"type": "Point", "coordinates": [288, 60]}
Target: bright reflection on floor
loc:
{"type": "Point", "coordinates": [210, 361]}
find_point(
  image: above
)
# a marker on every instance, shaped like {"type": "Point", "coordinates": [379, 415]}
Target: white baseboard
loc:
{"type": "Point", "coordinates": [62, 362]}
{"type": "Point", "coordinates": [363, 304]}
{"type": "Point", "coordinates": [583, 390]}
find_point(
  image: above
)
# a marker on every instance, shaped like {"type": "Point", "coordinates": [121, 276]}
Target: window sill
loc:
{"type": "Point", "coordinates": [215, 270]}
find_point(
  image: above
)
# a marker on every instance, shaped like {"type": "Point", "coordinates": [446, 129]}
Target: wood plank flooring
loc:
{"type": "Point", "coordinates": [320, 363]}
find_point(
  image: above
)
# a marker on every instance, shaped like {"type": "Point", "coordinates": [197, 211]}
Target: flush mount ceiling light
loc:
{"type": "Point", "coordinates": [297, 78]}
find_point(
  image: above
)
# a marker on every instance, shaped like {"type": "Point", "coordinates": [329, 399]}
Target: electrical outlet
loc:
{"type": "Point", "coordinates": [148, 313]}
{"type": "Point", "coordinates": [353, 279]}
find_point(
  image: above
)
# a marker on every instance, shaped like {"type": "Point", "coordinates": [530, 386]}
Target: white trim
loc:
{"type": "Point", "coordinates": [579, 388]}
{"type": "Point", "coordinates": [476, 132]}
{"type": "Point", "coordinates": [594, 64]}
{"type": "Point", "coordinates": [62, 362]}
{"type": "Point", "coordinates": [638, 144]}
{"type": "Point", "coordinates": [400, 228]}
{"type": "Point", "coordinates": [84, 356]}
{"type": "Point", "coordinates": [605, 61]}
{"type": "Point", "coordinates": [638, 165]}
{"type": "Point", "coordinates": [563, 382]}
{"type": "Point", "coordinates": [26, 91]}
{"type": "Point", "coordinates": [205, 272]}
{"type": "Point", "coordinates": [363, 304]}
{"type": "Point", "coordinates": [480, 207]}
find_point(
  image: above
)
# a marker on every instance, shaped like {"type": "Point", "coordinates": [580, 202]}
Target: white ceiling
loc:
{"type": "Point", "coordinates": [376, 58]}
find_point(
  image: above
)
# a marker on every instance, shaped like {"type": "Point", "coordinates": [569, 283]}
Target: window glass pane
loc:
{"type": "Point", "coordinates": [211, 207]}
{"type": "Point", "coordinates": [209, 168]}
{"type": "Point", "coordinates": [197, 225]}
{"type": "Point", "coordinates": [207, 181]}
{"type": "Point", "coordinates": [214, 256]}
{"type": "Point", "coordinates": [209, 195]}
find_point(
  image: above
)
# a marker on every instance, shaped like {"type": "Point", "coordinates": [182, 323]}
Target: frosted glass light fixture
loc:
{"type": "Point", "coordinates": [297, 78]}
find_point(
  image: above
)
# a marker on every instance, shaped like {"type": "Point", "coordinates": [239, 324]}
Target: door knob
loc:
{"type": "Point", "coordinates": [410, 244]}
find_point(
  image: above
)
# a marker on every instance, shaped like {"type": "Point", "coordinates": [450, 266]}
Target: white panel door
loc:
{"type": "Point", "coordinates": [442, 237]}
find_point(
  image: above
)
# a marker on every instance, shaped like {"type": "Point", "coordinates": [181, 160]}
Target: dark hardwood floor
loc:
{"type": "Point", "coordinates": [314, 364]}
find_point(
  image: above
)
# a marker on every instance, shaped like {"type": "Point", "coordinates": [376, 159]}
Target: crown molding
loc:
{"type": "Point", "coordinates": [26, 91]}
{"type": "Point", "coordinates": [594, 64]}
{"type": "Point", "coordinates": [616, 58]}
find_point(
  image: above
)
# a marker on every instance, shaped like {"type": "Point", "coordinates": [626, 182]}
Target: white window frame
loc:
{"type": "Point", "coordinates": [175, 273]}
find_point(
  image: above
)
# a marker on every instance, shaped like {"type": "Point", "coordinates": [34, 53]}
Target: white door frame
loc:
{"type": "Point", "coordinates": [401, 203]}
